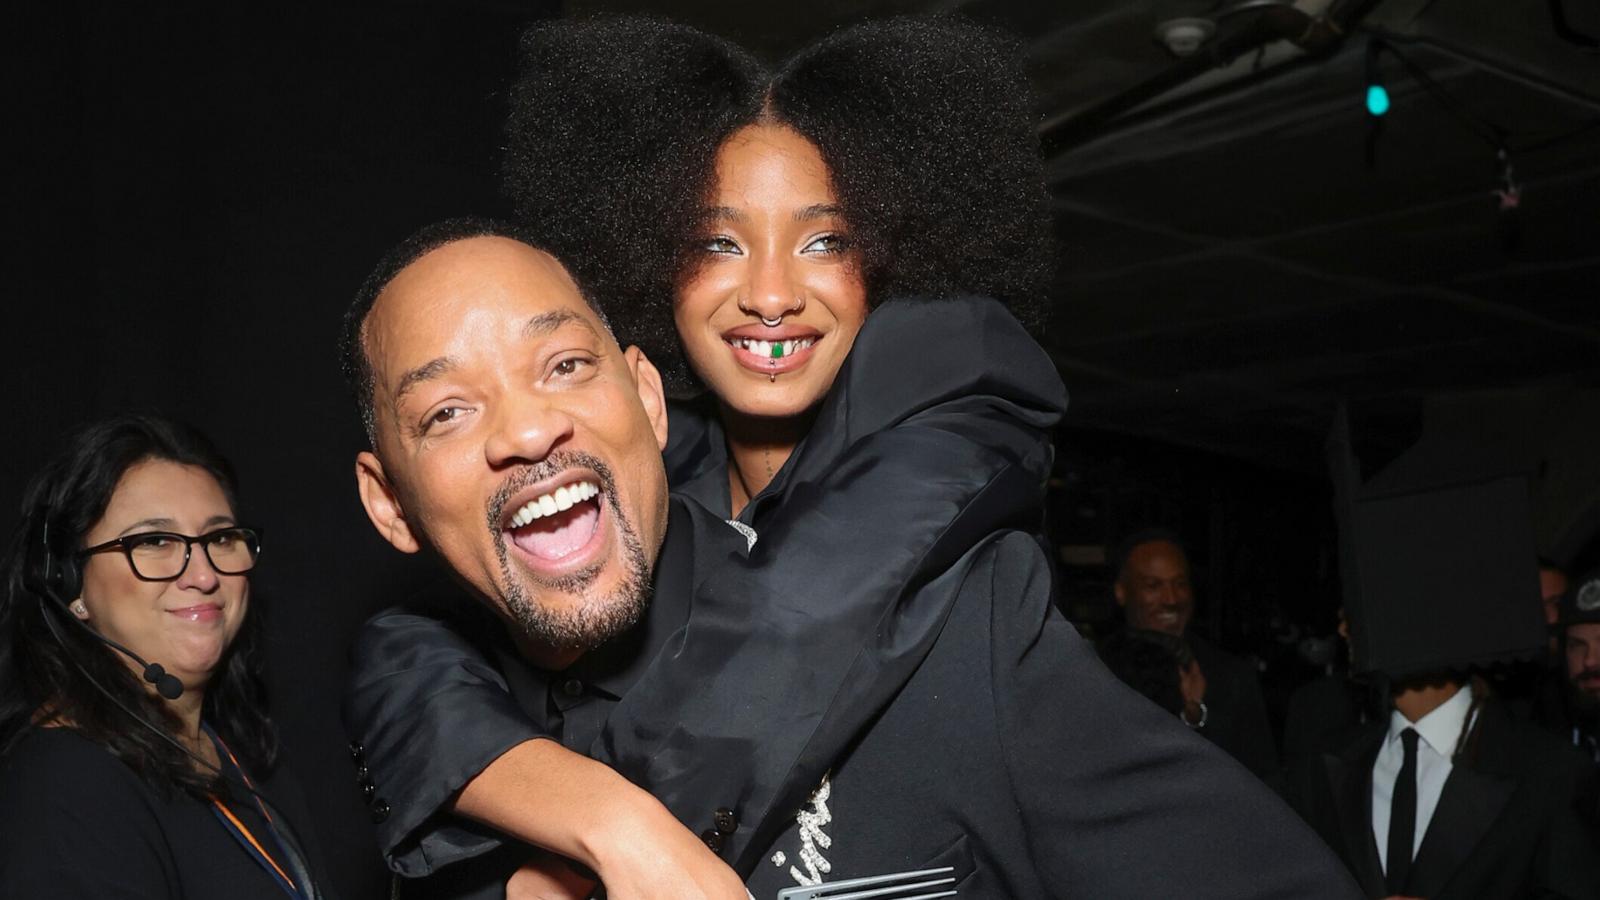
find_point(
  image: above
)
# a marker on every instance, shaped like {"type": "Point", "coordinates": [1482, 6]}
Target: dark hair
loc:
{"type": "Point", "coordinates": [352, 344]}
{"type": "Point", "coordinates": [926, 126]}
{"type": "Point", "coordinates": [1126, 546]}
{"type": "Point", "coordinates": [43, 677]}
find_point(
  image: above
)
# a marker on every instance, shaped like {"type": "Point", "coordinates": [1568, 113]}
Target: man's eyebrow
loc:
{"type": "Point", "coordinates": [431, 369]}
{"type": "Point", "coordinates": [724, 214]}
{"type": "Point", "coordinates": [818, 211]}
{"type": "Point", "coordinates": [545, 323]}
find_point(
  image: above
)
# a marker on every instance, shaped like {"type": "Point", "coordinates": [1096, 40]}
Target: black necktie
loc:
{"type": "Point", "coordinates": [1403, 816]}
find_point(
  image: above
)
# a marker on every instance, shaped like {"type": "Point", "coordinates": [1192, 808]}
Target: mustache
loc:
{"type": "Point", "coordinates": [1587, 674]}
{"type": "Point", "coordinates": [549, 467]}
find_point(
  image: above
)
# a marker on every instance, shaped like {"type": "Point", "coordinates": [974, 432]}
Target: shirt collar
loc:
{"type": "Point", "coordinates": [1441, 728]}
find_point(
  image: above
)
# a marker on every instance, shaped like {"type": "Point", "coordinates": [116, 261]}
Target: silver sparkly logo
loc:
{"type": "Point", "coordinates": [1589, 597]}
{"type": "Point", "coordinates": [748, 532]}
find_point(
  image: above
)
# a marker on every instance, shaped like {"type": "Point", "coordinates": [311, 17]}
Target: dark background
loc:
{"type": "Point", "coordinates": [197, 191]}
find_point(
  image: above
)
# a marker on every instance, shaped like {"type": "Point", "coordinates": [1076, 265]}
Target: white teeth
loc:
{"type": "Point", "coordinates": [562, 498]}
{"type": "Point", "coordinates": [764, 348]}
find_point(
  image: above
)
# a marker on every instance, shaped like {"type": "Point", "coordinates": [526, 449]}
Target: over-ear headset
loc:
{"type": "Point", "coordinates": [64, 584]}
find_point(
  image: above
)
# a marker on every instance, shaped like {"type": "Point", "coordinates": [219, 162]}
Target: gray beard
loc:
{"type": "Point", "coordinates": [599, 618]}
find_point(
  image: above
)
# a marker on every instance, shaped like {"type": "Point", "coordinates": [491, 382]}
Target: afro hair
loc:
{"type": "Point", "coordinates": [926, 126]}
{"type": "Point", "coordinates": [611, 143]}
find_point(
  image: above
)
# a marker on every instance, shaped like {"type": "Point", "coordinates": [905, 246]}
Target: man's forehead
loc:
{"type": "Point", "coordinates": [480, 282]}
{"type": "Point", "coordinates": [1156, 553]}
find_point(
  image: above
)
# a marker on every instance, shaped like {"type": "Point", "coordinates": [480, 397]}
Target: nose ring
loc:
{"type": "Point", "coordinates": [775, 321]}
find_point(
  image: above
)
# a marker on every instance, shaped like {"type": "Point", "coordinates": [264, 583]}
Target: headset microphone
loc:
{"type": "Point", "coordinates": [166, 685]}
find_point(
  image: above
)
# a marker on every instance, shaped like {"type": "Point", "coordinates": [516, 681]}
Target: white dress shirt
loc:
{"type": "Point", "coordinates": [1438, 732]}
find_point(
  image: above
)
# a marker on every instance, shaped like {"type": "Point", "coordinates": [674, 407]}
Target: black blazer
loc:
{"type": "Point", "coordinates": [1012, 755]}
{"type": "Point", "coordinates": [1236, 713]}
{"type": "Point", "coordinates": [1506, 824]}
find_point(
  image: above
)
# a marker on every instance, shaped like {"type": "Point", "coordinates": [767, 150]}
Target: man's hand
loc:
{"type": "Point", "coordinates": [548, 877]}
{"type": "Point", "coordinates": [1192, 683]}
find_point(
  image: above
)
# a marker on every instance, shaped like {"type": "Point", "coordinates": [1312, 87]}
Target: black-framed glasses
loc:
{"type": "Point", "coordinates": [164, 556]}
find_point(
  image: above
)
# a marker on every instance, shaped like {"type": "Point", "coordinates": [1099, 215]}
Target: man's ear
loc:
{"type": "Point", "coordinates": [651, 393]}
{"type": "Point", "coordinates": [1122, 596]}
{"type": "Point", "coordinates": [382, 506]}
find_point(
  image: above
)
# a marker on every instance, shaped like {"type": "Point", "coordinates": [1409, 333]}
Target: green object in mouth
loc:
{"type": "Point", "coordinates": [777, 350]}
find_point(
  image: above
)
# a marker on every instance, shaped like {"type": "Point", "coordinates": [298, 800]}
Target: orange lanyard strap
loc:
{"type": "Point", "coordinates": [261, 853]}
{"type": "Point", "coordinates": [242, 832]}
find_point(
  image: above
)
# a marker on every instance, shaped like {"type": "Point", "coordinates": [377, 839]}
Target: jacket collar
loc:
{"type": "Point", "coordinates": [1480, 785]}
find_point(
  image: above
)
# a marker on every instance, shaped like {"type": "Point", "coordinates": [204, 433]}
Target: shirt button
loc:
{"type": "Point", "coordinates": [712, 839]}
{"type": "Point", "coordinates": [380, 811]}
{"type": "Point", "coordinates": [363, 775]}
{"type": "Point", "coordinates": [357, 752]}
{"type": "Point", "coordinates": [725, 820]}
{"type": "Point", "coordinates": [572, 687]}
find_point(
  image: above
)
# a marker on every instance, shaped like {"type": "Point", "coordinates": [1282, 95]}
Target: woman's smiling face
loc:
{"type": "Point", "coordinates": [185, 624]}
{"type": "Point", "coordinates": [769, 311]}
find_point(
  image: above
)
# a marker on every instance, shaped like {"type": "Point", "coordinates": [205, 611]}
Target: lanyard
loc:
{"type": "Point", "coordinates": [242, 833]}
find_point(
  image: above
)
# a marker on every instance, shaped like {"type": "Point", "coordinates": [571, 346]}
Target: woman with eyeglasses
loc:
{"type": "Point", "coordinates": [136, 756]}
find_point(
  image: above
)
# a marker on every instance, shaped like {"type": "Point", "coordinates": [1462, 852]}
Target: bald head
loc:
{"type": "Point", "coordinates": [1153, 587]}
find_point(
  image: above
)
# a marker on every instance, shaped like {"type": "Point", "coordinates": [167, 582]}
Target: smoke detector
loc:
{"type": "Point", "coordinates": [1184, 36]}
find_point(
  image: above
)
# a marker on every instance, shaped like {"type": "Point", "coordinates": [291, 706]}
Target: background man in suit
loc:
{"type": "Point", "coordinates": [1451, 797]}
{"type": "Point", "coordinates": [1222, 696]}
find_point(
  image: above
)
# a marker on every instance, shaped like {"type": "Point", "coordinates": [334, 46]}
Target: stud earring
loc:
{"type": "Point", "coordinates": [79, 610]}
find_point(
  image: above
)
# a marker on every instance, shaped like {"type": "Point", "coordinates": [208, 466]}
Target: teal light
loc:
{"type": "Point", "coordinates": [1377, 99]}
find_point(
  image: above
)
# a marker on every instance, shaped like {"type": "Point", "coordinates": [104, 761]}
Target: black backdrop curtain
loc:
{"type": "Point", "coordinates": [194, 196]}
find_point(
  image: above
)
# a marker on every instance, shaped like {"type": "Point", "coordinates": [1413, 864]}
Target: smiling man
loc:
{"type": "Point", "coordinates": [510, 423]}
{"type": "Point", "coordinates": [515, 439]}
{"type": "Point", "coordinates": [512, 437]}
{"type": "Point", "coordinates": [1222, 697]}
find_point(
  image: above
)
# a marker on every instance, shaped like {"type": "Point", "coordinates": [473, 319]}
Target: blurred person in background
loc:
{"type": "Point", "coordinates": [1155, 590]}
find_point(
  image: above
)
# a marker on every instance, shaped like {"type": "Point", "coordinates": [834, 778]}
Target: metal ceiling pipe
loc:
{"type": "Point", "coordinates": [1269, 22]}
